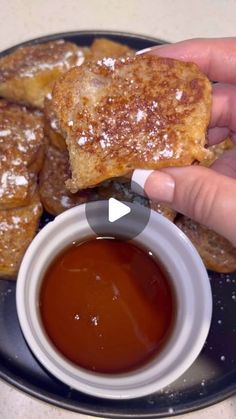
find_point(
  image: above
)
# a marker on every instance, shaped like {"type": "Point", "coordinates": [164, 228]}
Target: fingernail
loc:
{"type": "Point", "coordinates": [160, 187]}
{"type": "Point", "coordinates": [143, 51]}
{"type": "Point", "coordinates": [138, 181]}
{"type": "Point", "coordinates": [146, 50]}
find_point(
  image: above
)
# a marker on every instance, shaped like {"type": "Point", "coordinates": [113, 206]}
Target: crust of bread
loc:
{"type": "Point", "coordinates": [51, 127]}
{"type": "Point", "coordinates": [216, 151]}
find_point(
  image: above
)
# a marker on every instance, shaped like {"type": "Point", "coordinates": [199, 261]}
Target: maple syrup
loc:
{"type": "Point", "coordinates": [107, 305]}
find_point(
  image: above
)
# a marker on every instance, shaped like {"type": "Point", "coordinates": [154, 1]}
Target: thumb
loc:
{"type": "Point", "coordinates": [198, 192]}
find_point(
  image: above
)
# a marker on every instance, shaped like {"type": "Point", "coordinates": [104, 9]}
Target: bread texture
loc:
{"type": "Point", "coordinates": [21, 132]}
{"type": "Point", "coordinates": [17, 185]}
{"type": "Point", "coordinates": [142, 112]}
{"type": "Point", "coordinates": [28, 74]}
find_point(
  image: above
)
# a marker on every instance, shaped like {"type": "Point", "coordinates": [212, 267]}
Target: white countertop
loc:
{"type": "Point", "coordinates": [170, 20]}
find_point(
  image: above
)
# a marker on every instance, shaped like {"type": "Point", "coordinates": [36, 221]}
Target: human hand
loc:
{"type": "Point", "coordinates": [206, 195]}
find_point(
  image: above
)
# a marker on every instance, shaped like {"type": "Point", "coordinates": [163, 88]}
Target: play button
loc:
{"type": "Point", "coordinates": [116, 210]}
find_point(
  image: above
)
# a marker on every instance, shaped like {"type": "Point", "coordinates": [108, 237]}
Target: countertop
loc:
{"type": "Point", "coordinates": [170, 20]}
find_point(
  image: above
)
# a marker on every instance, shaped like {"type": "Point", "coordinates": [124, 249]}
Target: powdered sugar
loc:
{"type": "Point", "coordinates": [82, 140]}
{"type": "Point", "coordinates": [108, 62]}
{"type": "Point", "coordinates": [140, 115]}
{"type": "Point", "coordinates": [29, 134]}
{"type": "Point", "coordinates": [5, 132]}
{"type": "Point", "coordinates": [178, 94]}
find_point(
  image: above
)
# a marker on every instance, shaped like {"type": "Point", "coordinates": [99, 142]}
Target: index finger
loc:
{"type": "Point", "coordinates": [215, 57]}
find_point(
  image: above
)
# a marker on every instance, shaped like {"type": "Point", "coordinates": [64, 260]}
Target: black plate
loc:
{"type": "Point", "coordinates": [211, 378]}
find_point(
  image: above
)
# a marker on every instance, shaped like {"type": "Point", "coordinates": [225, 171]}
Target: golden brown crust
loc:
{"type": "Point", "coordinates": [28, 74]}
{"type": "Point", "coordinates": [54, 195]}
{"type": "Point", "coordinates": [18, 226]}
{"type": "Point", "coordinates": [51, 126]}
{"type": "Point", "coordinates": [218, 254]}
{"type": "Point", "coordinates": [37, 164]}
{"type": "Point", "coordinates": [103, 47]}
{"type": "Point", "coordinates": [216, 151]}
{"type": "Point", "coordinates": [21, 156]}
{"type": "Point", "coordinates": [100, 48]}
{"type": "Point", "coordinates": [141, 112]}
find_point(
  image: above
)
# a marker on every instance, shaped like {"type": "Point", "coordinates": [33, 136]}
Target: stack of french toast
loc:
{"type": "Point", "coordinates": [74, 123]}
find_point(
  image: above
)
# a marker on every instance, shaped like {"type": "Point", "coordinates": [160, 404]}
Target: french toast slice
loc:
{"type": "Point", "coordinates": [103, 47]}
{"type": "Point", "coordinates": [143, 112]}
{"type": "Point", "coordinates": [54, 195]}
{"type": "Point", "coordinates": [28, 73]}
{"type": "Point", "coordinates": [18, 226]}
{"type": "Point", "coordinates": [217, 253]}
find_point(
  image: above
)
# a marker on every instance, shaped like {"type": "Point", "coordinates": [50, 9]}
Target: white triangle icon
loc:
{"type": "Point", "coordinates": [116, 210]}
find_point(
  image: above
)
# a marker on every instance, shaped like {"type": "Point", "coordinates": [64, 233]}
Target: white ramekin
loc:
{"type": "Point", "coordinates": [194, 307]}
